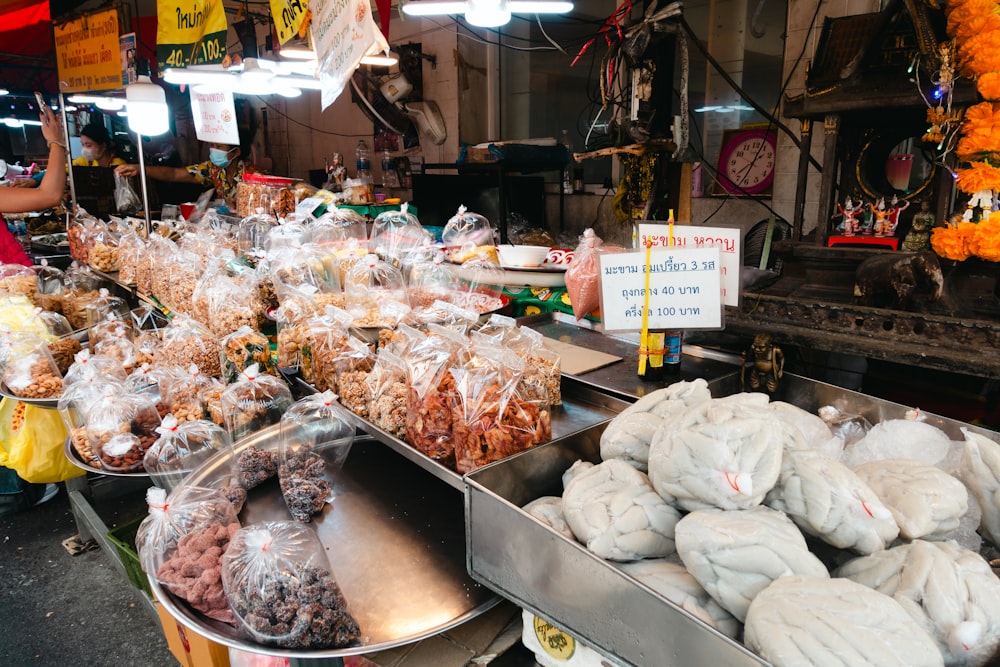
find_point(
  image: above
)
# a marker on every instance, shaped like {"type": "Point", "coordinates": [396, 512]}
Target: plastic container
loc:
{"type": "Point", "coordinates": [123, 537]}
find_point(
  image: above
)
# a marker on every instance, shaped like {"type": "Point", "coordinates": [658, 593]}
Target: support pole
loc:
{"type": "Point", "coordinates": [145, 192]}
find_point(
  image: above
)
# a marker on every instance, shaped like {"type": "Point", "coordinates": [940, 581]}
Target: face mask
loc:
{"type": "Point", "coordinates": [89, 153]}
{"type": "Point", "coordinates": [218, 157]}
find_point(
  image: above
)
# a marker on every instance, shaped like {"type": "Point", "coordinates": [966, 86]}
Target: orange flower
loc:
{"type": "Point", "coordinates": [985, 239]}
{"type": "Point", "coordinates": [953, 242]}
{"type": "Point", "coordinates": [980, 176]}
{"type": "Point", "coordinates": [980, 130]}
{"type": "Point", "coordinates": [988, 85]}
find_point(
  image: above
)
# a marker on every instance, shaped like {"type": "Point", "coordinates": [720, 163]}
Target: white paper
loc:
{"type": "Point", "coordinates": [215, 118]}
{"type": "Point", "coordinates": [344, 32]}
{"type": "Point", "coordinates": [729, 240]}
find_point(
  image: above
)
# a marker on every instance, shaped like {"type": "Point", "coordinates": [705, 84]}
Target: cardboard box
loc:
{"type": "Point", "coordinates": [190, 648]}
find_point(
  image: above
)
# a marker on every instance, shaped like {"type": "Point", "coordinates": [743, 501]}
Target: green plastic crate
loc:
{"type": "Point", "coordinates": [123, 537]}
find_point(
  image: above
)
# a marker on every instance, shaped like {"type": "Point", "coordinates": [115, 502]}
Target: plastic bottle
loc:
{"type": "Point", "coordinates": [567, 175]}
{"type": "Point", "coordinates": [663, 354]}
{"type": "Point", "coordinates": [363, 161]}
{"type": "Point", "coordinates": [389, 177]}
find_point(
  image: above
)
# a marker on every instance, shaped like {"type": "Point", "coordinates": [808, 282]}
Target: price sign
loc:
{"type": "Point", "coordinates": [729, 241]}
{"type": "Point", "coordinates": [215, 118]}
{"type": "Point", "coordinates": [288, 17]}
{"type": "Point", "coordinates": [192, 34]}
{"type": "Point", "coordinates": [87, 53]}
{"type": "Point", "coordinates": [685, 290]}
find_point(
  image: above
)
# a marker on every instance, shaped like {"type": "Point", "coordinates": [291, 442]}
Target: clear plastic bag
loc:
{"type": "Point", "coordinates": [85, 363]}
{"type": "Point", "coordinates": [251, 236]}
{"type": "Point", "coordinates": [181, 448]}
{"type": "Point", "coordinates": [254, 401]}
{"type": "Point", "coordinates": [337, 227]}
{"type": "Point", "coordinates": [396, 236]}
{"type": "Point", "coordinates": [429, 281]}
{"type": "Point", "coordinates": [370, 285]}
{"type": "Point", "coordinates": [120, 428]}
{"type": "Point", "coordinates": [278, 582]}
{"type": "Point", "coordinates": [73, 406]}
{"type": "Point", "coordinates": [131, 248]}
{"type": "Point", "coordinates": [19, 279]}
{"type": "Point", "coordinates": [244, 347]}
{"type": "Point", "coordinates": [465, 234]}
{"type": "Point", "coordinates": [387, 390]}
{"type": "Point", "coordinates": [233, 303]}
{"type": "Point", "coordinates": [126, 198]}
{"type": "Point", "coordinates": [430, 401]}
{"type": "Point", "coordinates": [50, 287]}
{"type": "Point", "coordinates": [583, 276]}
{"type": "Point", "coordinates": [29, 370]}
{"type": "Point", "coordinates": [482, 280]}
{"type": "Point", "coordinates": [103, 253]}
{"type": "Point", "coordinates": [314, 435]}
{"type": "Point", "coordinates": [181, 544]}
{"type": "Point", "coordinates": [119, 346]}
{"type": "Point", "coordinates": [304, 271]}
{"type": "Point", "coordinates": [187, 341]}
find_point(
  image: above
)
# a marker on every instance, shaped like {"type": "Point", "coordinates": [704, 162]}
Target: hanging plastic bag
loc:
{"type": "Point", "coordinates": [583, 276]}
{"type": "Point", "coordinates": [254, 401]}
{"type": "Point", "coordinates": [278, 582]}
{"type": "Point", "coordinates": [466, 234]}
{"type": "Point", "coordinates": [181, 448]}
{"type": "Point", "coordinates": [31, 443]}
{"type": "Point", "coordinates": [126, 198]}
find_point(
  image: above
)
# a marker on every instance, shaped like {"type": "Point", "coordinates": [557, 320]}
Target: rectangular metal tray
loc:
{"type": "Point", "coordinates": [559, 580]}
{"type": "Point", "coordinates": [582, 407]}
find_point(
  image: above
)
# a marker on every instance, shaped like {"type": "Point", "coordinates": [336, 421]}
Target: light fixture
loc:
{"type": "Point", "coordinates": [251, 77]}
{"type": "Point", "coordinates": [486, 13]}
{"type": "Point", "coordinates": [380, 60]}
{"type": "Point", "coordinates": [105, 103]}
{"type": "Point", "coordinates": [148, 113]}
{"type": "Point", "coordinates": [4, 91]}
{"type": "Point", "coordinates": [723, 109]}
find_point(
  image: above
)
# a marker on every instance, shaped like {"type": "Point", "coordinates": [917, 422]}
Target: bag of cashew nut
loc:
{"type": "Point", "coordinates": [181, 544]}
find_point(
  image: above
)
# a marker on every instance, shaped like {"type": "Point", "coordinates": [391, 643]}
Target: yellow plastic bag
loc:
{"type": "Point", "coordinates": [31, 443]}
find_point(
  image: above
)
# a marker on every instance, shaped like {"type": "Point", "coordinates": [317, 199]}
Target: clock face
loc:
{"type": "Point", "coordinates": [746, 162]}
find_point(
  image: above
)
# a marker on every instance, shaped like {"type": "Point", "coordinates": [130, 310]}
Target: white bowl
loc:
{"type": "Point", "coordinates": [522, 256]}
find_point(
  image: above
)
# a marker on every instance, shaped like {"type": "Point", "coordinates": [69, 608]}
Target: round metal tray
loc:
{"type": "Point", "coordinates": [75, 459]}
{"type": "Point", "coordinates": [395, 538]}
{"type": "Point", "coordinates": [50, 403]}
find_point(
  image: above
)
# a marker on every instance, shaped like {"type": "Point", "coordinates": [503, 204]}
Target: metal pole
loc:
{"type": "Point", "coordinates": [69, 157]}
{"type": "Point", "coordinates": [145, 192]}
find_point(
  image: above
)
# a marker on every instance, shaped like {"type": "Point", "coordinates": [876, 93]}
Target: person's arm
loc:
{"type": "Point", "coordinates": [172, 174]}
{"type": "Point", "coordinates": [50, 191]}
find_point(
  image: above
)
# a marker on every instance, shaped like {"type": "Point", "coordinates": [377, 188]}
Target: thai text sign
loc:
{"type": "Point", "coordinates": [190, 33]}
{"type": "Point", "coordinates": [727, 239]}
{"type": "Point", "coordinates": [684, 289]}
{"type": "Point", "coordinates": [215, 118]}
{"type": "Point", "coordinates": [288, 17]}
{"type": "Point", "coordinates": [87, 53]}
{"type": "Point", "coordinates": [343, 32]}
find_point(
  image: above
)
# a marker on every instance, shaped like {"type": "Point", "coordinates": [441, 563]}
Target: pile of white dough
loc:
{"type": "Point", "coordinates": [708, 501]}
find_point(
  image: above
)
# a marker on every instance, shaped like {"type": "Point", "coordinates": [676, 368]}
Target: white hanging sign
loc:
{"type": "Point", "coordinates": [215, 118]}
{"type": "Point", "coordinates": [684, 289]}
{"type": "Point", "coordinates": [343, 32]}
{"type": "Point", "coordinates": [729, 241]}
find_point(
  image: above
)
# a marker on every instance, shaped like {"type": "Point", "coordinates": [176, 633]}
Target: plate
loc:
{"type": "Point", "coordinates": [75, 459]}
{"type": "Point", "coordinates": [38, 402]}
{"type": "Point", "coordinates": [546, 267]}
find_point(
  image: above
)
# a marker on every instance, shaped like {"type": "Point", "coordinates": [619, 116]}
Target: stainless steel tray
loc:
{"type": "Point", "coordinates": [394, 537]}
{"type": "Point", "coordinates": [50, 403]}
{"type": "Point", "coordinates": [582, 408]}
{"type": "Point", "coordinates": [558, 579]}
{"type": "Point", "coordinates": [74, 457]}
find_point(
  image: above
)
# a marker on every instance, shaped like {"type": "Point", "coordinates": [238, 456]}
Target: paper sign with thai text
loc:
{"type": "Point", "coordinates": [343, 32]}
{"type": "Point", "coordinates": [729, 241]}
{"type": "Point", "coordinates": [288, 16]}
{"type": "Point", "coordinates": [190, 33]}
{"type": "Point", "coordinates": [127, 49]}
{"type": "Point", "coordinates": [684, 289]}
{"type": "Point", "coordinates": [215, 118]}
{"type": "Point", "coordinates": [87, 53]}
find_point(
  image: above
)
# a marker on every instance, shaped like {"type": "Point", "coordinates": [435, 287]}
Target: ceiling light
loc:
{"type": "Point", "coordinates": [12, 122]}
{"type": "Point", "coordinates": [110, 103]}
{"type": "Point", "coordinates": [4, 91]}
{"type": "Point", "coordinates": [252, 77]}
{"type": "Point", "coordinates": [148, 113]}
{"type": "Point", "coordinates": [297, 53]}
{"type": "Point", "coordinates": [381, 61]}
{"type": "Point", "coordinates": [486, 13]}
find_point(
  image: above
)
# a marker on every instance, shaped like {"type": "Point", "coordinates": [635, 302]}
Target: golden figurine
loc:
{"type": "Point", "coordinates": [918, 239]}
{"type": "Point", "coordinates": [763, 370]}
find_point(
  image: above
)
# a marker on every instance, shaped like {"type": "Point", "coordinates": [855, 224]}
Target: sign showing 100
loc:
{"type": "Point", "coordinates": [211, 49]}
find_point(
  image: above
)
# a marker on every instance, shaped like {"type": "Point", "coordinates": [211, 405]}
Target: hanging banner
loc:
{"type": "Point", "coordinates": [343, 32]}
{"type": "Point", "coordinates": [87, 53]}
{"type": "Point", "coordinates": [288, 16]}
{"type": "Point", "coordinates": [127, 45]}
{"type": "Point", "coordinates": [192, 34]}
{"type": "Point", "coordinates": [215, 118]}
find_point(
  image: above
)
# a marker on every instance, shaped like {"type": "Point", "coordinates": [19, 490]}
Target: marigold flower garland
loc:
{"type": "Point", "coordinates": [975, 27]}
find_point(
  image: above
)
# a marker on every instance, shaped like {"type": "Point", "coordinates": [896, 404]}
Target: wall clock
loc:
{"type": "Point", "coordinates": [746, 162]}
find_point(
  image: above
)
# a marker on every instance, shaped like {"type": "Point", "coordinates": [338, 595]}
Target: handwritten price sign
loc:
{"type": "Point", "coordinates": [684, 289]}
{"type": "Point", "coordinates": [728, 240]}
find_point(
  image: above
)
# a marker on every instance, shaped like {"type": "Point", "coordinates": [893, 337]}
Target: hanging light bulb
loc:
{"type": "Point", "coordinates": [487, 13]}
{"type": "Point", "coordinates": [148, 113]}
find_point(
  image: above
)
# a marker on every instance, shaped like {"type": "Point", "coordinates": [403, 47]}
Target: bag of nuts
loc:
{"type": "Point", "coordinates": [181, 448]}
{"type": "Point", "coordinates": [387, 391]}
{"type": "Point", "coordinates": [29, 370]}
{"type": "Point", "coordinates": [131, 248]}
{"type": "Point", "coordinates": [85, 363]}
{"type": "Point", "coordinates": [278, 581]}
{"type": "Point", "coordinates": [18, 279]}
{"type": "Point", "coordinates": [103, 253]}
{"type": "Point", "coordinates": [50, 285]}
{"type": "Point", "coordinates": [187, 341]}
{"type": "Point", "coordinates": [73, 406]}
{"type": "Point", "coordinates": [242, 348]}
{"type": "Point", "coordinates": [254, 401]}
{"type": "Point", "coordinates": [120, 428]}
{"type": "Point", "coordinates": [232, 304]}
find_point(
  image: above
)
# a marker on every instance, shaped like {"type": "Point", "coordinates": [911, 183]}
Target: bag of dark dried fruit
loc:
{"type": "Point", "coordinates": [315, 436]}
{"type": "Point", "coordinates": [254, 401]}
{"type": "Point", "coordinates": [181, 544]}
{"type": "Point", "coordinates": [278, 582]}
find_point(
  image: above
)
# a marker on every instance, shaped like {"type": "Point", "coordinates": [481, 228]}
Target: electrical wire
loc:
{"type": "Point", "coordinates": [284, 115]}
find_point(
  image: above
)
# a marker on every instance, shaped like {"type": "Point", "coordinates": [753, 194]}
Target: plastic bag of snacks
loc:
{"type": "Point", "coordinates": [84, 362]}
{"type": "Point", "coordinates": [370, 284]}
{"type": "Point", "coordinates": [181, 392]}
{"type": "Point", "coordinates": [187, 341]}
{"type": "Point", "coordinates": [182, 271]}
{"type": "Point", "coordinates": [158, 252]}
{"type": "Point", "coordinates": [19, 279]}
{"type": "Point", "coordinates": [348, 374]}
{"type": "Point", "coordinates": [120, 428]}
{"type": "Point", "coordinates": [213, 277]}
{"type": "Point", "coordinates": [233, 303]}
{"type": "Point", "coordinates": [181, 448]}
{"type": "Point", "coordinates": [542, 376]}
{"type": "Point", "coordinates": [287, 235]}
{"type": "Point", "coordinates": [80, 230]}
{"type": "Point", "coordinates": [320, 339]}
{"type": "Point", "coordinates": [429, 401]}
{"type": "Point", "coordinates": [181, 544]}
{"type": "Point", "coordinates": [103, 253]}
{"type": "Point", "coordinates": [254, 401]}
{"type": "Point", "coordinates": [336, 228]}
{"type": "Point", "coordinates": [73, 406]}
{"type": "Point", "coordinates": [50, 283]}
{"type": "Point", "coordinates": [244, 347]}
{"type": "Point", "coordinates": [165, 253]}
{"type": "Point", "coordinates": [314, 434]}
{"type": "Point", "coordinates": [111, 326]}
{"type": "Point", "coordinates": [119, 347]}
{"type": "Point", "coordinates": [304, 271]}
{"type": "Point", "coordinates": [466, 234]}
{"type": "Point", "coordinates": [482, 281]}
{"type": "Point", "coordinates": [29, 370]}
{"type": "Point", "coordinates": [252, 234]}
{"type": "Point", "coordinates": [131, 248]}
{"type": "Point", "coordinates": [396, 236]}
{"type": "Point", "coordinates": [278, 582]}
{"type": "Point", "coordinates": [583, 276]}
{"type": "Point", "coordinates": [430, 280]}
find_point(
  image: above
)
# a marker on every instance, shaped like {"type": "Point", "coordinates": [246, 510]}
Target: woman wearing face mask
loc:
{"type": "Point", "coordinates": [223, 170]}
{"type": "Point", "coordinates": [97, 151]}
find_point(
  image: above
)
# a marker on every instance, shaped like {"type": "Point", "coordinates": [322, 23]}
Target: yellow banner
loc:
{"type": "Point", "coordinates": [190, 34]}
{"type": "Point", "coordinates": [87, 53]}
{"type": "Point", "coordinates": [288, 16]}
